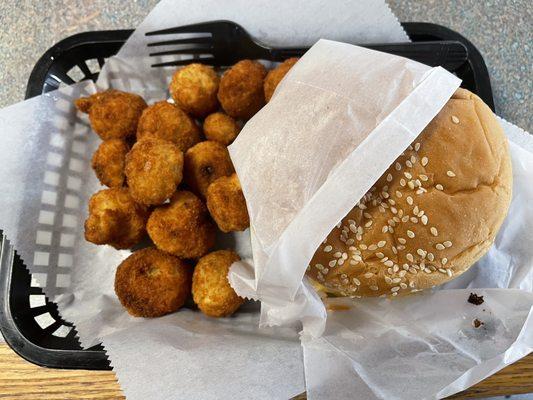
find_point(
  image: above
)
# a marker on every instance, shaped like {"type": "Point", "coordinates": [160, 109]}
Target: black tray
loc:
{"type": "Point", "coordinates": [77, 58]}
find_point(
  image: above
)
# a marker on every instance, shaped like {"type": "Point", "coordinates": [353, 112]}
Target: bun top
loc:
{"type": "Point", "coordinates": [430, 216]}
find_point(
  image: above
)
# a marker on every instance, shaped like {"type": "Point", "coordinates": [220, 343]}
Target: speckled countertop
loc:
{"type": "Point", "coordinates": [501, 29]}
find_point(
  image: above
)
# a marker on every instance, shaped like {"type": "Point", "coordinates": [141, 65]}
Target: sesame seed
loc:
{"type": "Point", "coordinates": [353, 228]}
{"type": "Point", "coordinates": [405, 218]}
{"type": "Point", "coordinates": [328, 248]}
{"type": "Point", "coordinates": [412, 284]}
{"type": "Point", "coordinates": [417, 146]}
{"type": "Point", "coordinates": [325, 270]}
{"type": "Point", "coordinates": [411, 184]}
{"type": "Point", "coordinates": [409, 200]}
{"type": "Point", "coordinates": [391, 202]}
{"type": "Point", "coordinates": [385, 205]}
{"type": "Point", "coordinates": [394, 289]}
{"type": "Point", "coordinates": [389, 263]}
{"type": "Point", "coordinates": [384, 229]}
{"type": "Point", "coordinates": [368, 224]}
{"type": "Point", "coordinates": [394, 210]}
{"type": "Point", "coordinates": [401, 247]}
{"type": "Point", "coordinates": [410, 257]}
{"type": "Point", "coordinates": [394, 250]}
{"type": "Point", "coordinates": [402, 240]}
{"type": "Point", "coordinates": [363, 246]}
{"type": "Point", "coordinates": [381, 209]}
{"type": "Point", "coordinates": [413, 270]}
{"type": "Point", "coordinates": [372, 247]}
{"type": "Point", "coordinates": [341, 261]}
{"type": "Point", "coordinates": [444, 261]}
{"type": "Point", "coordinates": [442, 270]}
{"type": "Point", "coordinates": [389, 177]}
{"type": "Point", "coordinates": [361, 206]}
{"type": "Point", "coordinates": [380, 255]}
{"type": "Point", "coordinates": [357, 257]}
{"type": "Point", "coordinates": [353, 262]}
{"type": "Point", "coordinates": [388, 280]}
{"type": "Point", "coordinates": [451, 174]}
{"type": "Point", "coordinates": [418, 183]}
{"type": "Point", "coordinates": [374, 288]}
{"type": "Point", "coordinates": [439, 246]}
{"type": "Point", "coordinates": [414, 219]}
{"type": "Point", "coordinates": [396, 268]}
{"type": "Point", "coordinates": [431, 256]}
{"type": "Point", "coordinates": [411, 234]}
{"type": "Point", "coordinates": [398, 166]}
{"type": "Point", "coordinates": [424, 219]}
{"type": "Point", "coordinates": [427, 271]}
{"type": "Point", "coordinates": [402, 273]}
{"type": "Point", "coordinates": [360, 230]}
{"type": "Point", "coordinates": [455, 120]}
{"type": "Point", "coordinates": [319, 266]}
{"type": "Point", "coordinates": [420, 191]}
{"type": "Point", "coordinates": [385, 195]}
{"type": "Point", "coordinates": [356, 281]}
{"type": "Point", "coordinates": [332, 263]}
{"type": "Point", "coordinates": [424, 161]}
{"type": "Point", "coordinates": [367, 215]}
{"type": "Point", "coordinates": [421, 252]}
{"type": "Point", "coordinates": [413, 159]}
{"type": "Point", "coordinates": [368, 275]}
{"type": "Point", "coordinates": [337, 254]}
{"type": "Point", "coordinates": [408, 175]}
{"type": "Point", "coordinates": [396, 280]}
{"type": "Point", "coordinates": [350, 241]}
{"type": "Point", "coordinates": [409, 164]}
{"type": "Point", "coordinates": [438, 186]}
{"type": "Point", "coordinates": [344, 256]}
{"type": "Point", "coordinates": [382, 243]}
{"type": "Point", "coordinates": [447, 243]}
{"type": "Point", "coordinates": [394, 294]}
{"type": "Point", "coordinates": [402, 182]}
{"type": "Point", "coordinates": [389, 271]}
{"type": "Point", "coordinates": [391, 229]}
{"type": "Point", "coordinates": [403, 285]}
{"type": "Point", "coordinates": [434, 231]}
{"type": "Point", "coordinates": [423, 177]}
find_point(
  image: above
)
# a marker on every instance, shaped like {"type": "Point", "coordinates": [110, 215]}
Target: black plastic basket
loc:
{"type": "Point", "coordinates": [74, 59]}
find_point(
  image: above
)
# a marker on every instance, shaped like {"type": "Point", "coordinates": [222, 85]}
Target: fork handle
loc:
{"type": "Point", "coordinates": [449, 54]}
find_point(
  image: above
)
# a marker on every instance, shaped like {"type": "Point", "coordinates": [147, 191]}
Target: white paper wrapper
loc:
{"type": "Point", "coordinates": [293, 189]}
{"type": "Point", "coordinates": [47, 181]}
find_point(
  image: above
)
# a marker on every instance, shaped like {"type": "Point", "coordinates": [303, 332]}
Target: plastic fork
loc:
{"type": "Point", "coordinates": [223, 43]}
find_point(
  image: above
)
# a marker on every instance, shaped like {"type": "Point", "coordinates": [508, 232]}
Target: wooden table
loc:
{"type": "Point", "coordinates": [21, 380]}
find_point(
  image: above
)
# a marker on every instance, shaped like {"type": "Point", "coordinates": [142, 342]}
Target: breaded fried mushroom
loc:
{"type": "Point", "coordinates": [241, 89]}
{"type": "Point", "coordinates": [115, 219]}
{"type": "Point", "coordinates": [275, 76]}
{"type": "Point", "coordinates": [151, 283]}
{"type": "Point", "coordinates": [113, 114]}
{"type": "Point", "coordinates": [154, 169]}
{"type": "Point", "coordinates": [108, 162]}
{"type": "Point", "coordinates": [204, 163]}
{"type": "Point", "coordinates": [211, 290]}
{"type": "Point", "coordinates": [221, 128]}
{"type": "Point", "coordinates": [164, 120]}
{"type": "Point", "coordinates": [194, 89]}
{"type": "Point", "coordinates": [182, 227]}
{"type": "Point", "coordinates": [227, 205]}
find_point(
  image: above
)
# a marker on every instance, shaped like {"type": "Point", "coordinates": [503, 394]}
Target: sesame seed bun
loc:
{"type": "Point", "coordinates": [430, 216]}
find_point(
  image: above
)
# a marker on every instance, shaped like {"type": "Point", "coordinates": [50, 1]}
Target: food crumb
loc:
{"type": "Point", "coordinates": [476, 323]}
{"type": "Point", "coordinates": [475, 299]}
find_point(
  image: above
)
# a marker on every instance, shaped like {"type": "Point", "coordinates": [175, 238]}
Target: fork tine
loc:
{"type": "Point", "coordinates": [196, 40]}
{"type": "Point", "coordinates": [206, 60]}
{"type": "Point", "coordinates": [204, 27]}
{"type": "Point", "coordinates": [205, 50]}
